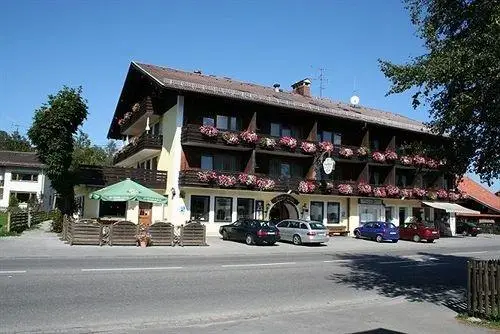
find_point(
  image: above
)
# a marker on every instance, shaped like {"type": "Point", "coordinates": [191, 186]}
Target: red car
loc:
{"type": "Point", "coordinates": [418, 232]}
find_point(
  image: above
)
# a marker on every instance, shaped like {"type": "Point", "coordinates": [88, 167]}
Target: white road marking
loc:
{"type": "Point", "coordinates": [256, 264]}
{"type": "Point", "coordinates": [130, 269]}
{"type": "Point", "coordinates": [425, 264]}
{"type": "Point", "coordinates": [336, 261]}
{"type": "Point", "coordinates": [12, 272]}
{"type": "Point", "coordinates": [392, 262]}
{"type": "Point", "coordinates": [466, 253]}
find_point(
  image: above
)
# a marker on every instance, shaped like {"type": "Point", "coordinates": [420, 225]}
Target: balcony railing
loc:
{"type": "Point", "coordinates": [191, 135]}
{"type": "Point", "coordinates": [144, 142]}
{"type": "Point", "coordinates": [102, 176]}
{"type": "Point", "coordinates": [134, 121]}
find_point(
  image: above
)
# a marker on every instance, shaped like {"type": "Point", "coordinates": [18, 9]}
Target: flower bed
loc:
{"type": "Point", "coordinates": [230, 138]}
{"type": "Point", "coordinates": [392, 191]}
{"type": "Point", "coordinates": [268, 143]}
{"type": "Point", "coordinates": [325, 146]}
{"type": "Point", "coordinates": [346, 152]}
{"type": "Point", "coordinates": [390, 155]}
{"type": "Point", "coordinates": [308, 147]}
{"type": "Point", "coordinates": [378, 156]}
{"type": "Point", "coordinates": [209, 131]}
{"type": "Point", "coordinates": [345, 189]}
{"type": "Point", "coordinates": [364, 188]}
{"type": "Point", "coordinates": [288, 142]}
{"type": "Point", "coordinates": [247, 179]}
{"type": "Point", "coordinates": [226, 181]}
{"type": "Point", "coordinates": [379, 192]}
{"type": "Point", "coordinates": [306, 187]}
{"type": "Point", "coordinates": [249, 137]}
{"type": "Point", "coordinates": [207, 176]}
{"type": "Point", "coordinates": [265, 184]}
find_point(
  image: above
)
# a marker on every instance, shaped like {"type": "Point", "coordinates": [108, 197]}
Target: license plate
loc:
{"type": "Point", "coordinates": [392, 232]}
{"type": "Point", "coordinates": [270, 233]}
{"type": "Point", "coordinates": [434, 232]}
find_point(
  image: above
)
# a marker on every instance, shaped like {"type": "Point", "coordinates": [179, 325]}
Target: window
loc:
{"type": "Point", "coordinates": [388, 213]}
{"type": "Point", "coordinates": [278, 168]}
{"type": "Point", "coordinates": [402, 216]}
{"type": "Point", "coordinates": [333, 213]}
{"type": "Point", "coordinates": [1, 186]}
{"type": "Point", "coordinates": [143, 165]}
{"type": "Point", "coordinates": [286, 132]}
{"type": "Point", "coordinates": [285, 170]}
{"type": "Point", "coordinates": [207, 162]}
{"type": "Point", "coordinates": [208, 121]}
{"type": "Point", "coordinates": [234, 124]}
{"type": "Point", "coordinates": [282, 224]}
{"type": "Point", "coordinates": [317, 226]}
{"type": "Point", "coordinates": [226, 162]}
{"type": "Point", "coordinates": [112, 209]}
{"type": "Point", "coordinates": [375, 144]}
{"type": "Point", "coordinates": [317, 211]}
{"type": "Point", "coordinates": [259, 209]}
{"type": "Point", "coordinates": [200, 207]}
{"type": "Point", "coordinates": [24, 177]}
{"type": "Point", "coordinates": [402, 182]}
{"type": "Point", "coordinates": [245, 208]}
{"type": "Point", "coordinates": [326, 136]}
{"type": "Point", "coordinates": [337, 139]}
{"type": "Point", "coordinates": [303, 226]}
{"type": "Point", "coordinates": [154, 163]}
{"type": "Point", "coordinates": [156, 130]}
{"type": "Point", "coordinates": [375, 178]}
{"type": "Point", "coordinates": [148, 164]}
{"type": "Point", "coordinates": [275, 129]}
{"type": "Point", "coordinates": [223, 209]}
{"type": "Point", "coordinates": [222, 122]}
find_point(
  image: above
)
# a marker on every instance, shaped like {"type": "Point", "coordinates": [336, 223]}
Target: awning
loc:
{"type": "Point", "coordinates": [450, 207]}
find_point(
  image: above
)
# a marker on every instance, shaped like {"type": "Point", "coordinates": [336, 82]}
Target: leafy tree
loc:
{"type": "Point", "coordinates": [111, 148]}
{"type": "Point", "coordinates": [54, 125]}
{"type": "Point", "coordinates": [458, 78]}
{"type": "Point", "coordinates": [14, 142]}
{"type": "Point", "coordinates": [85, 153]}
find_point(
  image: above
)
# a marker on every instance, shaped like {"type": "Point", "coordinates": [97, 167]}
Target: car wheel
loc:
{"type": "Point", "coordinates": [296, 240]}
{"type": "Point", "coordinates": [225, 236]}
{"type": "Point", "coordinates": [416, 238]}
{"type": "Point", "coordinates": [379, 238]}
{"type": "Point", "coordinates": [249, 239]}
{"type": "Point", "coordinates": [271, 243]}
{"type": "Point", "coordinates": [357, 235]}
{"type": "Point", "coordinates": [394, 241]}
{"type": "Point", "coordinates": [474, 234]}
{"type": "Point", "coordinates": [430, 241]}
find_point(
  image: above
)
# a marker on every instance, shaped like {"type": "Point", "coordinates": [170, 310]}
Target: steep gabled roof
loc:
{"type": "Point", "coordinates": [19, 159]}
{"type": "Point", "coordinates": [479, 193]}
{"type": "Point", "coordinates": [229, 88]}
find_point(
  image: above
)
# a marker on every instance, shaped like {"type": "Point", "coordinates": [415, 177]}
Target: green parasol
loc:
{"type": "Point", "coordinates": [128, 190]}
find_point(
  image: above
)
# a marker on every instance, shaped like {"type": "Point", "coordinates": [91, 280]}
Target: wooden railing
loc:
{"type": "Point", "coordinates": [101, 176]}
{"type": "Point", "coordinates": [145, 107]}
{"type": "Point", "coordinates": [483, 288]}
{"type": "Point", "coordinates": [145, 141]}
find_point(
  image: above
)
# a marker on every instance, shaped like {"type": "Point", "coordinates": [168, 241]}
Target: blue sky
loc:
{"type": "Point", "coordinates": [47, 44]}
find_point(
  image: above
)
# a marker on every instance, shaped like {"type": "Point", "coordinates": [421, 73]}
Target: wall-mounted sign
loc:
{"type": "Point", "coordinates": [370, 201]}
{"type": "Point", "coordinates": [328, 165]}
{"type": "Point", "coordinates": [285, 198]}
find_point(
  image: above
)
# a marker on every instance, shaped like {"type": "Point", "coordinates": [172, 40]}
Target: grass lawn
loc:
{"type": "Point", "coordinates": [3, 222]}
{"type": "Point", "coordinates": [493, 324]}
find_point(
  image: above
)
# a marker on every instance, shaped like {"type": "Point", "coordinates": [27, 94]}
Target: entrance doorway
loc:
{"type": "Point", "coordinates": [145, 213]}
{"type": "Point", "coordinates": [283, 210]}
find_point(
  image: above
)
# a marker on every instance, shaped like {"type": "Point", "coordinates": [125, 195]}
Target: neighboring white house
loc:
{"type": "Point", "coordinates": [22, 175]}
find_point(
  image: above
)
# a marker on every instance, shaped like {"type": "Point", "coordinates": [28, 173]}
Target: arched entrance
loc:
{"type": "Point", "coordinates": [284, 207]}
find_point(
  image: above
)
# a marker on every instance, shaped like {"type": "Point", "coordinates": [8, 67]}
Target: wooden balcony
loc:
{"type": "Point", "coordinates": [147, 145]}
{"type": "Point", "coordinates": [191, 136]}
{"type": "Point", "coordinates": [136, 123]}
{"type": "Point", "coordinates": [102, 176]}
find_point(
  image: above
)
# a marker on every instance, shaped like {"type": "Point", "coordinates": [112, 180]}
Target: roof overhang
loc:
{"type": "Point", "coordinates": [450, 207]}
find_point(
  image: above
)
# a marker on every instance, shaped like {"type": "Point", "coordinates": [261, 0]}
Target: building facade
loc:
{"type": "Point", "coordinates": [22, 176]}
{"type": "Point", "coordinates": [221, 149]}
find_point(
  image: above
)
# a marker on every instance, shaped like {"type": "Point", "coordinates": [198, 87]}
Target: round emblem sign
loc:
{"type": "Point", "coordinates": [328, 165]}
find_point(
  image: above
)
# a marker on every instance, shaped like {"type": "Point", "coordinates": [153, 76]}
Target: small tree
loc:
{"type": "Point", "coordinates": [13, 202]}
{"type": "Point", "coordinates": [52, 133]}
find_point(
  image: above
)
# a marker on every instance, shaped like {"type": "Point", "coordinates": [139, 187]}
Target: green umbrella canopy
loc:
{"type": "Point", "coordinates": [128, 190]}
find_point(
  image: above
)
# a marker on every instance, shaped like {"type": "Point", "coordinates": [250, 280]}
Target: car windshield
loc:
{"type": "Point", "coordinates": [389, 225]}
{"type": "Point", "coordinates": [317, 226]}
{"type": "Point", "coordinates": [428, 224]}
{"type": "Point", "coordinates": [258, 223]}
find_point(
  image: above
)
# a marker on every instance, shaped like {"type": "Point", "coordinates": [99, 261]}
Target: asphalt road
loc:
{"type": "Point", "coordinates": [321, 291]}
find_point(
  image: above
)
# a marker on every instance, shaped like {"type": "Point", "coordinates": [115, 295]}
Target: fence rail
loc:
{"type": "Point", "coordinates": [483, 288]}
{"type": "Point", "coordinates": [22, 220]}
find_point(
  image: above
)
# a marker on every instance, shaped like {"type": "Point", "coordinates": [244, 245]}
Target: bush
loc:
{"type": "Point", "coordinates": [13, 202]}
{"type": "Point", "coordinates": [57, 221]}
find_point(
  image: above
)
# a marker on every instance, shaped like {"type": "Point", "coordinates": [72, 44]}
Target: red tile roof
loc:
{"type": "Point", "coordinates": [480, 193]}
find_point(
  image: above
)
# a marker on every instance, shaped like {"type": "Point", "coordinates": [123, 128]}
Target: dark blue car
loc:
{"type": "Point", "coordinates": [378, 231]}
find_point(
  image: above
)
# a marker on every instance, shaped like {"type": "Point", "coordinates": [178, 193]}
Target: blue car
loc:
{"type": "Point", "coordinates": [378, 231]}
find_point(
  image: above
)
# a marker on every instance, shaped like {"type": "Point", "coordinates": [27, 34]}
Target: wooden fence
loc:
{"type": "Point", "coordinates": [193, 234]}
{"type": "Point", "coordinates": [20, 221]}
{"type": "Point", "coordinates": [483, 288]}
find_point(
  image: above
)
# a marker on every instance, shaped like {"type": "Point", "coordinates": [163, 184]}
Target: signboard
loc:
{"type": "Point", "coordinates": [370, 201]}
{"type": "Point", "coordinates": [285, 198]}
{"type": "Point", "coordinates": [328, 165]}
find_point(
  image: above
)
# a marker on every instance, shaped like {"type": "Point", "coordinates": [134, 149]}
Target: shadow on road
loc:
{"type": "Point", "coordinates": [378, 331]}
{"type": "Point", "coordinates": [435, 278]}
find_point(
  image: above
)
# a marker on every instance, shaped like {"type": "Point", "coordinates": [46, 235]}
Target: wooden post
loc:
{"type": "Point", "coordinates": [8, 221]}
{"type": "Point", "coordinates": [480, 287]}
{"type": "Point", "coordinates": [486, 289]}
{"type": "Point", "coordinates": [469, 287]}
{"type": "Point", "coordinates": [494, 292]}
{"type": "Point", "coordinates": [29, 218]}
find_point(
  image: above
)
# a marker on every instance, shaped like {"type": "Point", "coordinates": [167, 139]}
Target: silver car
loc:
{"type": "Point", "coordinates": [302, 231]}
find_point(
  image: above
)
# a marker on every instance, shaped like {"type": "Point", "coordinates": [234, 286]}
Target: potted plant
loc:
{"type": "Point", "coordinates": [248, 180]}
{"type": "Point", "coordinates": [268, 143]}
{"type": "Point", "coordinates": [207, 176]}
{"type": "Point", "coordinates": [363, 151]}
{"type": "Point", "coordinates": [209, 131]}
{"type": "Point", "coordinates": [391, 155]}
{"type": "Point", "coordinates": [378, 156]}
{"type": "Point", "coordinates": [406, 160]}
{"type": "Point", "coordinates": [249, 137]}
{"type": "Point", "coordinates": [308, 147]}
{"type": "Point", "coordinates": [346, 152]}
{"type": "Point", "coordinates": [231, 138]}
{"type": "Point", "coordinates": [288, 142]}
{"type": "Point", "coordinates": [306, 187]}
{"type": "Point", "coordinates": [143, 237]}
{"type": "Point", "coordinates": [325, 146]}
{"type": "Point", "coordinates": [364, 188]}
{"type": "Point", "coordinates": [344, 189]}
{"type": "Point", "coordinates": [226, 181]}
{"type": "Point", "coordinates": [265, 184]}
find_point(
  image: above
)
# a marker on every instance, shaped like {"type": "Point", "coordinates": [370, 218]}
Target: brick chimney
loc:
{"type": "Point", "coordinates": [302, 87]}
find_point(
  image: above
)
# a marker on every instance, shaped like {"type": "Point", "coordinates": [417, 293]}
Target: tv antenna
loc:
{"type": "Point", "coordinates": [354, 98]}
{"type": "Point", "coordinates": [323, 80]}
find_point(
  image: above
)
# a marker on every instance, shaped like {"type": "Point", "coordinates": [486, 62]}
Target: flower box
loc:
{"type": "Point", "coordinates": [419, 160]}
{"type": "Point", "coordinates": [268, 143]}
{"type": "Point", "coordinates": [230, 138]}
{"type": "Point", "coordinates": [442, 194]}
{"type": "Point", "coordinates": [325, 146]}
{"type": "Point", "coordinates": [431, 163]}
{"type": "Point", "coordinates": [390, 155]}
{"type": "Point", "coordinates": [419, 192]}
{"type": "Point", "coordinates": [308, 147]}
{"type": "Point", "coordinates": [265, 184]}
{"type": "Point", "coordinates": [306, 187]}
{"type": "Point", "coordinates": [453, 196]}
{"type": "Point", "coordinates": [226, 181]}
{"type": "Point", "coordinates": [364, 188]}
{"type": "Point", "coordinates": [431, 194]}
{"type": "Point", "coordinates": [407, 193]}
{"type": "Point", "coordinates": [247, 179]}
{"type": "Point", "coordinates": [345, 189]}
{"type": "Point", "coordinates": [378, 156]}
{"type": "Point", "coordinates": [406, 160]}
{"type": "Point", "coordinates": [329, 186]}
{"type": "Point", "coordinates": [207, 176]}
{"type": "Point", "coordinates": [289, 142]}
{"type": "Point", "coordinates": [379, 192]}
{"type": "Point", "coordinates": [346, 152]}
{"type": "Point", "coordinates": [209, 131]}
{"type": "Point", "coordinates": [392, 191]}
{"type": "Point", "coordinates": [249, 137]}
{"type": "Point", "coordinates": [363, 151]}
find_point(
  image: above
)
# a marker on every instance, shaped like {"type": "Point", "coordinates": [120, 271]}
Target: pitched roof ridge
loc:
{"type": "Point", "coordinates": [495, 200]}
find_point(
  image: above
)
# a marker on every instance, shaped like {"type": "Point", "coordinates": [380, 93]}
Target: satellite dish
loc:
{"type": "Point", "coordinates": [354, 100]}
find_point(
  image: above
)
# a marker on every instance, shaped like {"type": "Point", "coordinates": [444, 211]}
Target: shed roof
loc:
{"type": "Point", "coordinates": [19, 159]}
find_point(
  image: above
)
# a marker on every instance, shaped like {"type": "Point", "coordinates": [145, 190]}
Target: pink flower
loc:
{"type": "Point", "coordinates": [419, 160]}
{"type": "Point", "coordinates": [442, 194]}
{"type": "Point", "coordinates": [407, 193]}
{"type": "Point", "coordinates": [289, 142]}
{"type": "Point", "coordinates": [265, 184]}
{"type": "Point", "coordinates": [247, 179]}
{"type": "Point", "coordinates": [390, 155]}
{"type": "Point", "coordinates": [268, 143]}
{"type": "Point", "coordinates": [308, 147]}
{"type": "Point", "coordinates": [226, 181]}
{"type": "Point", "coordinates": [418, 192]}
{"type": "Point", "coordinates": [346, 152]}
{"type": "Point", "coordinates": [392, 191]}
{"type": "Point", "coordinates": [249, 137]}
{"type": "Point", "coordinates": [231, 138]}
{"type": "Point", "coordinates": [344, 189]}
{"type": "Point", "coordinates": [406, 160]}
{"type": "Point", "coordinates": [379, 192]}
{"type": "Point", "coordinates": [453, 196]}
{"type": "Point", "coordinates": [306, 187]}
{"type": "Point", "coordinates": [209, 131]}
{"type": "Point", "coordinates": [364, 188]}
{"type": "Point", "coordinates": [207, 176]}
{"type": "Point", "coordinates": [325, 146]}
{"type": "Point", "coordinates": [431, 163]}
{"type": "Point", "coordinates": [378, 156]}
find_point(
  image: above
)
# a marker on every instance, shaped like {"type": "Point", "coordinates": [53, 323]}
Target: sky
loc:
{"type": "Point", "coordinates": [45, 45]}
